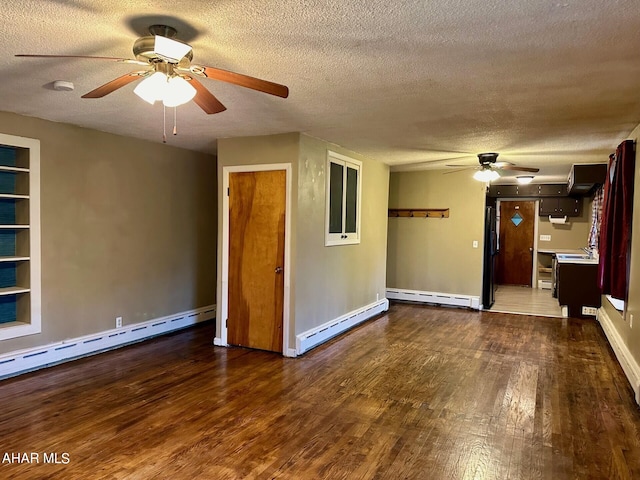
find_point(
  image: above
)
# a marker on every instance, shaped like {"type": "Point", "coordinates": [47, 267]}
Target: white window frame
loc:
{"type": "Point", "coordinates": [342, 238]}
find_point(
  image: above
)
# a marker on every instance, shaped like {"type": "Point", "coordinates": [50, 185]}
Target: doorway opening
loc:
{"type": "Point", "coordinates": [516, 286]}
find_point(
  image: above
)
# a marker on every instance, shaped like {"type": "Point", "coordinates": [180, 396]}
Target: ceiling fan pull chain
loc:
{"type": "Point", "coordinates": [175, 120]}
{"type": "Point", "coordinates": [164, 124]}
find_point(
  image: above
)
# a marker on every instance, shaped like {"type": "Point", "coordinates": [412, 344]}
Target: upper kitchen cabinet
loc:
{"type": "Point", "coordinates": [551, 190]}
{"type": "Point", "coordinates": [560, 206]}
{"type": "Point", "coordinates": [531, 190]}
{"type": "Point", "coordinates": [583, 179]}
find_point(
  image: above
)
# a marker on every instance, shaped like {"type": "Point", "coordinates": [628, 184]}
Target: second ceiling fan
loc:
{"type": "Point", "coordinates": [489, 169]}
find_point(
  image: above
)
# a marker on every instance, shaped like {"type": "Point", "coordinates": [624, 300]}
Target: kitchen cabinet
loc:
{"type": "Point", "coordinates": [530, 190]}
{"type": "Point", "coordinates": [583, 179]}
{"type": "Point", "coordinates": [503, 190]}
{"type": "Point", "coordinates": [552, 190]}
{"type": "Point", "coordinates": [577, 285]}
{"type": "Point", "coordinates": [560, 206]}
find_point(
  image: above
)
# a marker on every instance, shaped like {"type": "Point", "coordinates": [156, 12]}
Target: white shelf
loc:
{"type": "Point", "coordinates": [13, 290]}
{"type": "Point", "coordinates": [4, 168]}
{"type": "Point", "coordinates": [14, 195]}
{"type": "Point", "coordinates": [14, 259]}
{"type": "Point", "coordinates": [13, 227]}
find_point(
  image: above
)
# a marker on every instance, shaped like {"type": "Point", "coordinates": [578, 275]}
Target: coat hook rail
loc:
{"type": "Point", "coordinates": [419, 212]}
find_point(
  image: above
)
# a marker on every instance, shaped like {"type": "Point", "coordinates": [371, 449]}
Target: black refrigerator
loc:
{"type": "Point", "coordinates": [490, 252]}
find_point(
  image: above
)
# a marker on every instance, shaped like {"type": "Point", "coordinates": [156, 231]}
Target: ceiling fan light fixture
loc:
{"type": "Point", "coordinates": [524, 179]}
{"type": "Point", "coordinates": [178, 92]}
{"type": "Point", "coordinates": [152, 88]}
{"type": "Point", "coordinates": [171, 50]}
{"type": "Point", "coordinates": [486, 175]}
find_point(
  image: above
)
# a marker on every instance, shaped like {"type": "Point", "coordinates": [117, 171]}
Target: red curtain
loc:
{"type": "Point", "coordinates": [615, 231]}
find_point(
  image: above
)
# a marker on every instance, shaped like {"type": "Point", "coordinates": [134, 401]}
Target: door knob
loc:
{"type": "Point", "coordinates": [278, 269]}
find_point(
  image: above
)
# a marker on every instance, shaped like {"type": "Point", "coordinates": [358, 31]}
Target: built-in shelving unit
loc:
{"type": "Point", "coordinates": [19, 236]}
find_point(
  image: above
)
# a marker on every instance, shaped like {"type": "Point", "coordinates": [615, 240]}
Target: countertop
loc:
{"type": "Point", "coordinates": [560, 250]}
{"type": "Point", "coordinates": [564, 256]}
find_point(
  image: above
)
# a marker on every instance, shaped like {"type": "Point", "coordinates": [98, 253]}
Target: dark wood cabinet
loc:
{"type": "Point", "coordinates": [503, 190]}
{"type": "Point", "coordinates": [560, 206]}
{"type": "Point", "coordinates": [552, 190]}
{"type": "Point", "coordinates": [578, 287]}
{"type": "Point", "coordinates": [583, 179]}
{"type": "Point", "coordinates": [531, 190]}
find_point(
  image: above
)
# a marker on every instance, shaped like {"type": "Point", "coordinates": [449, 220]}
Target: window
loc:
{"type": "Point", "coordinates": [344, 179]}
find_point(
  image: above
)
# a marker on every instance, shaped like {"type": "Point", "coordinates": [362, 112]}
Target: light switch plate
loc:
{"type": "Point", "coordinates": [545, 238]}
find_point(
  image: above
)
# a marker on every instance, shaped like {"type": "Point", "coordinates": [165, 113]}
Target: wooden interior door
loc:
{"type": "Point", "coordinates": [514, 263]}
{"type": "Point", "coordinates": [256, 259]}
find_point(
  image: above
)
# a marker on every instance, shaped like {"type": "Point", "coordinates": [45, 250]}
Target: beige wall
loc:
{"type": "Point", "coordinates": [332, 281]}
{"type": "Point", "coordinates": [326, 282]}
{"type": "Point", "coordinates": [436, 255]}
{"type": "Point", "coordinates": [631, 336]}
{"type": "Point", "coordinates": [573, 235]}
{"type": "Point", "coordinates": [128, 229]}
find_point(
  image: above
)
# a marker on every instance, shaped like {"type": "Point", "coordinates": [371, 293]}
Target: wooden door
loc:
{"type": "Point", "coordinates": [514, 265]}
{"type": "Point", "coordinates": [256, 259]}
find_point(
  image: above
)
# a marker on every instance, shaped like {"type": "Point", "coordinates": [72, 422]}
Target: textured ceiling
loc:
{"type": "Point", "coordinates": [543, 82]}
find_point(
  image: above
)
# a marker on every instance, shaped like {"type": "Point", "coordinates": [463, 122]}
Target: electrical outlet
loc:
{"type": "Point", "coordinates": [545, 238]}
{"type": "Point", "coordinates": [118, 322]}
{"type": "Point", "coordinates": [589, 311]}
{"type": "Point", "coordinates": [631, 320]}
{"type": "Point", "coordinates": [475, 244]}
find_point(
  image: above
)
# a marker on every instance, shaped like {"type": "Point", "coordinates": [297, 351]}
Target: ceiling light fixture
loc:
{"type": "Point", "coordinates": [177, 92]}
{"type": "Point", "coordinates": [171, 90]}
{"type": "Point", "coordinates": [486, 175]}
{"type": "Point", "coordinates": [524, 179]}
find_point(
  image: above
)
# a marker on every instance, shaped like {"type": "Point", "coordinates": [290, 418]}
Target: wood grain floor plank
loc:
{"type": "Point", "coordinates": [421, 392]}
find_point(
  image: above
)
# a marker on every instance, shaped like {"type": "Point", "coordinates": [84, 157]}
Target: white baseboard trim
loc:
{"type": "Point", "coordinates": [315, 336]}
{"type": "Point", "coordinates": [22, 361]}
{"type": "Point", "coordinates": [435, 298]}
{"type": "Point", "coordinates": [626, 360]}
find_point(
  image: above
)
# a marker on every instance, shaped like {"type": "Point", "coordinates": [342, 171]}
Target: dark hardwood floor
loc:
{"type": "Point", "coordinates": [420, 393]}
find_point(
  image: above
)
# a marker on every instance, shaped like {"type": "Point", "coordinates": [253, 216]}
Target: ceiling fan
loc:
{"type": "Point", "coordinates": [489, 169]}
{"type": "Point", "coordinates": [170, 76]}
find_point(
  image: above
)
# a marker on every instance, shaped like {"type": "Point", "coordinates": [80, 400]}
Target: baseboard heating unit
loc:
{"type": "Point", "coordinates": [315, 336]}
{"type": "Point", "coordinates": [22, 361]}
{"type": "Point", "coordinates": [625, 358]}
{"type": "Point", "coordinates": [434, 298]}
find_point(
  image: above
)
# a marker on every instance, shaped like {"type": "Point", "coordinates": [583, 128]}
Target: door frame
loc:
{"type": "Point", "coordinates": [224, 301]}
{"type": "Point", "coordinates": [536, 207]}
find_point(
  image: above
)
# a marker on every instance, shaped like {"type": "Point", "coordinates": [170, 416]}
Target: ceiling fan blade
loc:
{"type": "Point", "coordinates": [115, 59]}
{"type": "Point", "coordinates": [242, 80]}
{"type": "Point", "coordinates": [113, 85]}
{"type": "Point", "coordinates": [521, 169]}
{"type": "Point", "coordinates": [205, 99]}
{"type": "Point", "coordinates": [459, 170]}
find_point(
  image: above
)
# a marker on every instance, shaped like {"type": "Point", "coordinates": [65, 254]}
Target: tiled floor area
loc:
{"type": "Point", "coordinates": [525, 300]}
